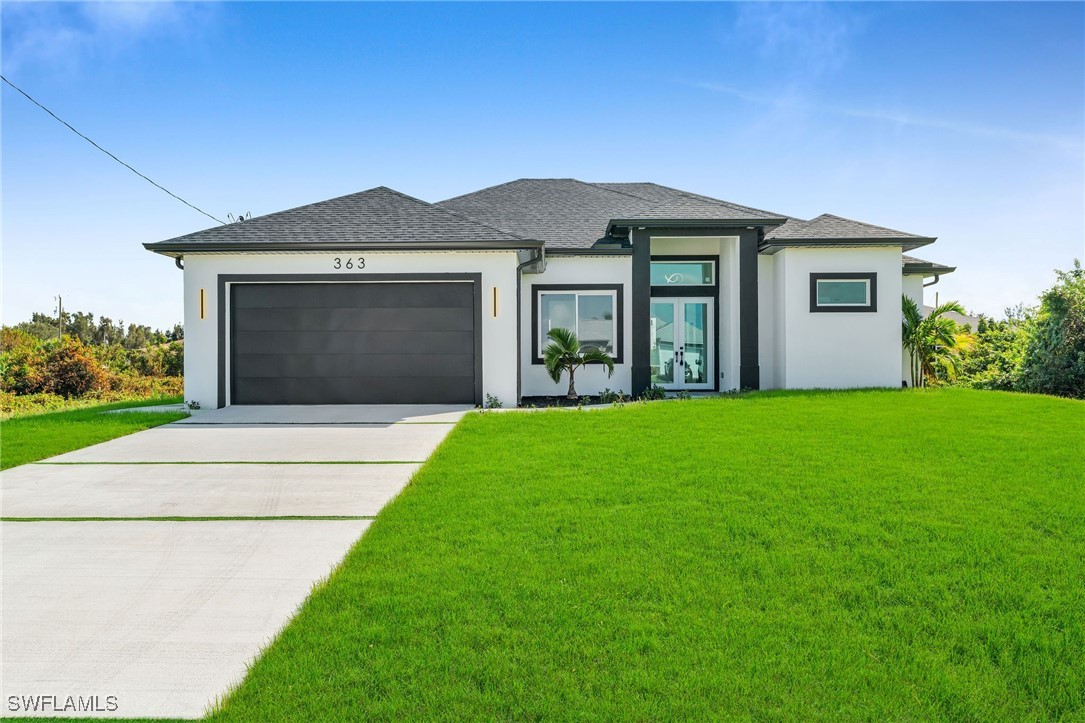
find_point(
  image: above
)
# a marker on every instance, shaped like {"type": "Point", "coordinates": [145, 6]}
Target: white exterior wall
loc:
{"type": "Point", "coordinates": [575, 270]}
{"type": "Point", "coordinates": [766, 320]}
{"type": "Point", "coordinates": [913, 289]}
{"type": "Point", "coordinates": [498, 269]}
{"type": "Point", "coordinates": [837, 350]}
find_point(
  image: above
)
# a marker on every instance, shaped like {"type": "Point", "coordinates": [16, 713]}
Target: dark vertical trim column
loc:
{"type": "Point", "coordinates": [749, 371]}
{"type": "Point", "coordinates": [641, 356]}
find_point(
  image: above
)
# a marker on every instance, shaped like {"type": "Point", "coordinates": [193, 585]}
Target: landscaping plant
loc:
{"type": "Point", "coordinates": [935, 342]}
{"type": "Point", "coordinates": [564, 354]}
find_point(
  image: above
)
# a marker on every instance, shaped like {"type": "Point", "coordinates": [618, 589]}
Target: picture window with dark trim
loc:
{"type": "Point", "coordinates": [844, 291]}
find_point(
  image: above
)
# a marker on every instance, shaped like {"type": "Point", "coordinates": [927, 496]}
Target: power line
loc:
{"type": "Point", "coordinates": [88, 140]}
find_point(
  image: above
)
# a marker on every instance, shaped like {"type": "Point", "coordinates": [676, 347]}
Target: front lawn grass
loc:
{"type": "Point", "coordinates": [32, 438]}
{"type": "Point", "coordinates": [904, 555]}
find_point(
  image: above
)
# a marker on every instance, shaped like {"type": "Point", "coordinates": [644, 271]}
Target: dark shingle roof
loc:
{"type": "Point", "coordinates": [834, 228]}
{"type": "Point", "coordinates": [563, 212]}
{"type": "Point", "coordinates": [377, 216]}
{"type": "Point", "coordinates": [567, 213]}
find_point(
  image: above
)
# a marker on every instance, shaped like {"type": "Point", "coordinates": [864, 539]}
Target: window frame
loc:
{"type": "Point", "coordinates": [872, 292]}
{"type": "Point", "coordinates": [617, 290]}
{"type": "Point", "coordinates": [674, 259]}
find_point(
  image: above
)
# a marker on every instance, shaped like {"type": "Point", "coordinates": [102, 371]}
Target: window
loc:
{"type": "Point", "coordinates": [683, 273]}
{"type": "Point", "coordinates": [844, 292]}
{"type": "Point", "coordinates": [592, 311]}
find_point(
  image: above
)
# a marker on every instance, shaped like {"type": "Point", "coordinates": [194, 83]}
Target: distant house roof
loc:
{"type": "Point", "coordinates": [962, 319]}
{"type": "Point", "coordinates": [563, 214]}
{"type": "Point", "coordinates": [379, 216]}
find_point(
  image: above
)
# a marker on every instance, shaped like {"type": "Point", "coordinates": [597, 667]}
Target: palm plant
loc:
{"type": "Point", "coordinates": [565, 354]}
{"type": "Point", "coordinates": [934, 343]}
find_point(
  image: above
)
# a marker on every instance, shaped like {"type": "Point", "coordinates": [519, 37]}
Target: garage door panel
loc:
{"type": "Point", "coordinates": [425, 318]}
{"type": "Point", "coordinates": [369, 366]}
{"type": "Point", "coordinates": [353, 343]}
{"type": "Point", "coordinates": [348, 295]}
{"type": "Point", "coordinates": [337, 390]}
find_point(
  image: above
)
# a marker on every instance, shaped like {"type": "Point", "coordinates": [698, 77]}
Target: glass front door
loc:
{"type": "Point", "coordinates": [682, 343]}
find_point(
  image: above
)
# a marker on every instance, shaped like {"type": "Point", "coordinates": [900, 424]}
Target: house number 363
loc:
{"type": "Point", "coordinates": [352, 263]}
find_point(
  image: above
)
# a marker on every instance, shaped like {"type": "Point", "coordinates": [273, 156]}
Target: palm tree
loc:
{"type": "Point", "coordinates": [934, 342]}
{"type": "Point", "coordinates": [564, 353]}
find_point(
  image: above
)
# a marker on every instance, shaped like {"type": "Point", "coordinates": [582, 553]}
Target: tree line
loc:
{"type": "Point", "coordinates": [104, 332]}
{"type": "Point", "coordinates": [49, 361]}
{"type": "Point", "coordinates": [1038, 349]}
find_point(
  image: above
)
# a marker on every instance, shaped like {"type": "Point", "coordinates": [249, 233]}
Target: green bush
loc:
{"type": "Point", "coordinates": [1053, 361]}
{"type": "Point", "coordinates": [71, 369]}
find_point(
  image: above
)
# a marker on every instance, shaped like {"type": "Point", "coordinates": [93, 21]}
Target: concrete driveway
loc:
{"type": "Point", "coordinates": [105, 595]}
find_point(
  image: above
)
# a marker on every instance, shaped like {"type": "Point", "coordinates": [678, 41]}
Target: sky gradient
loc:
{"type": "Point", "coordinates": [961, 121]}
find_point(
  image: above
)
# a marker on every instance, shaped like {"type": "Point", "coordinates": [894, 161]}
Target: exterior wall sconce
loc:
{"type": "Point", "coordinates": [203, 304]}
{"type": "Point", "coordinates": [494, 310]}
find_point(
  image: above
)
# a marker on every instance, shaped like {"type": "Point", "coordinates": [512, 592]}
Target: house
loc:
{"type": "Point", "coordinates": [378, 297]}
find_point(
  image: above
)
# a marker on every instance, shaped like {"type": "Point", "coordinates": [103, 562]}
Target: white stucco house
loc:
{"type": "Point", "coordinates": [378, 297]}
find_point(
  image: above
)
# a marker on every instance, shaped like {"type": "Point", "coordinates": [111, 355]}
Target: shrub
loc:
{"type": "Point", "coordinates": [1053, 361]}
{"type": "Point", "coordinates": [609, 396]}
{"type": "Point", "coordinates": [71, 369]}
{"type": "Point", "coordinates": [653, 393]}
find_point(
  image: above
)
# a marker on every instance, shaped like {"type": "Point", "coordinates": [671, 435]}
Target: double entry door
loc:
{"type": "Point", "coordinates": [683, 344]}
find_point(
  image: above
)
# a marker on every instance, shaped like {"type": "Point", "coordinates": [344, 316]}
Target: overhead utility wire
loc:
{"type": "Point", "coordinates": [88, 140]}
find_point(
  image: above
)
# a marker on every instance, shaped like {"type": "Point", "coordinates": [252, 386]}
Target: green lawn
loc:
{"type": "Point", "coordinates": [29, 439]}
{"type": "Point", "coordinates": [905, 555]}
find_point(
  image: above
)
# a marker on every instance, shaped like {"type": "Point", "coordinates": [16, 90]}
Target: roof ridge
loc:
{"type": "Point", "coordinates": [480, 190]}
{"type": "Point", "coordinates": [611, 190]}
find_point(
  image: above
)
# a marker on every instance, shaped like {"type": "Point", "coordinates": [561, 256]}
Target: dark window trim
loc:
{"type": "Point", "coordinates": [712, 289]}
{"type": "Point", "coordinates": [619, 289]}
{"type": "Point", "coordinates": [871, 277]}
{"type": "Point", "coordinates": [225, 308]}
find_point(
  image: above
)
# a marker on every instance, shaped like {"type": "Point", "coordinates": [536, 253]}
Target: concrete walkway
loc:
{"type": "Point", "coordinates": [165, 615]}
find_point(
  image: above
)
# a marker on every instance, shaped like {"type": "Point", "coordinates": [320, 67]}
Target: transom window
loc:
{"type": "Point", "coordinates": [683, 273]}
{"type": "Point", "coordinates": [592, 312]}
{"type": "Point", "coordinates": [843, 292]}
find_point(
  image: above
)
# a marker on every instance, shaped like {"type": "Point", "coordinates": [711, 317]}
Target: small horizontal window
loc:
{"type": "Point", "coordinates": [843, 292]}
{"type": "Point", "coordinates": [683, 273]}
{"type": "Point", "coordinates": [592, 314]}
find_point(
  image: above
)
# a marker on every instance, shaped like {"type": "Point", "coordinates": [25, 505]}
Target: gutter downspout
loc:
{"type": "Point", "coordinates": [178, 262]}
{"type": "Point", "coordinates": [936, 278]}
{"type": "Point", "coordinates": [519, 319]}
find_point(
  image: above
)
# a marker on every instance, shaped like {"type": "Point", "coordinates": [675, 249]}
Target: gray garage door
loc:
{"type": "Point", "coordinates": [353, 343]}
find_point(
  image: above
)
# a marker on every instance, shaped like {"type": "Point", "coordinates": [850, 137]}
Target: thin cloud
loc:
{"type": "Point", "coordinates": [786, 102]}
{"type": "Point", "coordinates": [63, 35]}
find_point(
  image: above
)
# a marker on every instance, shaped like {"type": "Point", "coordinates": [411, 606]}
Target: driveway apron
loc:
{"type": "Point", "coordinates": [142, 575]}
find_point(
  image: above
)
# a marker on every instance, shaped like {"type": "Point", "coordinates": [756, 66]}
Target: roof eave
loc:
{"type": "Point", "coordinates": [927, 269]}
{"type": "Point", "coordinates": [167, 248]}
{"type": "Point", "coordinates": [771, 246]}
{"type": "Point", "coordinates": [693, 222]}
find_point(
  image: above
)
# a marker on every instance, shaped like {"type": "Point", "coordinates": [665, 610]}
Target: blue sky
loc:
{"type": "Point", "coordinates": [962, 121]}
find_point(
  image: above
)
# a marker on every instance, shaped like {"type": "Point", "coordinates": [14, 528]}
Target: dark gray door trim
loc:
{"type": "Point", "coordinates": [748, 240]}
{"type": "Point", "coordinates": [224, 308]}
{"type": "Point", "coordinates": [749, 369]}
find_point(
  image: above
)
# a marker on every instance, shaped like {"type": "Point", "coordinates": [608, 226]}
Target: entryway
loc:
{"type": "Point", "coordinates": [683, 342]}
